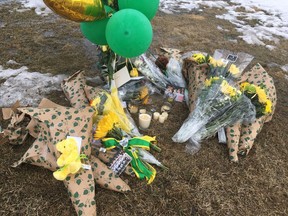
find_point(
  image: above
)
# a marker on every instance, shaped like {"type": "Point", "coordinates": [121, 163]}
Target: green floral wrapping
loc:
{"type": "Point", "coordinates": [51, 123]}
{"type": "Point", "coordinates": [248, 132]}
{"type": "Point", "coordinates": [195, 76]}
{"type": "Point", "coordinates": [73, 88]}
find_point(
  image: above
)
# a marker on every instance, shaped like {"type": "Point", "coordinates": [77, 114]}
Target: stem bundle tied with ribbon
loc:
{"type": "Point", "coordinates": [141, 168]}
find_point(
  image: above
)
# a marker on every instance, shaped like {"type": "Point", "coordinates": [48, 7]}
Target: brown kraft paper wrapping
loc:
{"type": "Point", "coordinates": [257, 75]}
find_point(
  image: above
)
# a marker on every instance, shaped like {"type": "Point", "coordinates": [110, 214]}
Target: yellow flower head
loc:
{"type": "Point", "coordinates": [210, 81]}
{"type": "Point", "coordinates": [134, 72]}
{"type": "Point", "coordinates": [244, 85]}
{"type": "Point", "coordinates": [106, 124]}
{"type": "Point", "coordinates": [234, 70]}
{"type": "Point", "coordinates": [262, 97]}
{"type": "Point", "coordinates": [268, 107]}
{"type": "Point", "coordinates": [216, 63]}
{"type": "Point", "coordinates": [228, 89]}
{"type": "Point", "coordinates": [199, 58]}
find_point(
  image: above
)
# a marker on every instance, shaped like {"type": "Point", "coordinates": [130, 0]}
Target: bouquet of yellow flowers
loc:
{"type": "Point", "coordinates": [106, 102]}
{"type": "Point", "coordinates": [219, 104]}
{"type": "Point", "coordinates": [258, 97]}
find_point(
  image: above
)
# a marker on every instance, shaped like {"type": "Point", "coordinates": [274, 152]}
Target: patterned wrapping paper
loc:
{"type": "Point", "coordinates": [240, 138]}
{"type": "Point", "coordinates": [51, 123]}
{"type": "Point", "coordinates": [248, 132]}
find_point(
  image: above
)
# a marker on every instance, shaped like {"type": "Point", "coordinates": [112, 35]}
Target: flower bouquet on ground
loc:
{"type": "Point", "coordinates": [218, 104]}
{"type": "Point", "coordinates": [133, 150]}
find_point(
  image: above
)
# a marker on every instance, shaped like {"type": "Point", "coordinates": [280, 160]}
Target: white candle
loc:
{"type": "Point", "coordinates": [165, 114]}
{"type": "Point", "coordinates": [156, 115]}
{"type": "Point", "coordinates": [142, 111]}
{"type": "Point", "coordinates": [162, 119]}
{"type": "Point", "coordinates": [144, 121]}
{"type": "Point", "coordinates": [133, 109]}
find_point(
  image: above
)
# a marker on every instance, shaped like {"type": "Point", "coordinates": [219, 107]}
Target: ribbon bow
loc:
{"type": "Point", "coordinates": [141, 168]}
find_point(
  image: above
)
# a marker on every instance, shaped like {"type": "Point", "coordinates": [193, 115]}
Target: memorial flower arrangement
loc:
{"type": "Point", "coordinates": [219, 103]}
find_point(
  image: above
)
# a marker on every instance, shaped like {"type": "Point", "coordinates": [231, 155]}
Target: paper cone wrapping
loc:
{"type": "Point", "coordinates": [195, 76]}
{"type": "Point", "coordinates": [248, 132]}
{"type": "Point", "coordinates": [73, 88]}
{"type": "Point", "coordinates": [51, 123]}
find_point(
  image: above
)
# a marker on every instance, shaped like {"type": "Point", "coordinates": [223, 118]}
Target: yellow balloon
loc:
{"type": "Point", "coordinates": [78, 10]}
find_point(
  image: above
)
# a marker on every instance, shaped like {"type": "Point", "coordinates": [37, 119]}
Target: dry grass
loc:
{"type": "Point", "coordinates": [203, 184]}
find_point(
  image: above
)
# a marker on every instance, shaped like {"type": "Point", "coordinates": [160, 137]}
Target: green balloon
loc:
{"type": "Point", "coordinates": [147, 7]}
{"type": "Point", "coordinates": [95, 31]}
{"type": "Point", "coordinates": [129, 33]}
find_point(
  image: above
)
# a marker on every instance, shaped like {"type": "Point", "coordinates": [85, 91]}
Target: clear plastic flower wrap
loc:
{"type": "Point", "coordinates": [219, 104]}
{"type": "Point", "coordinates": [174, 73]}
{"type": "Point", "coordinates": [138, 91]}
{"type": "Point", "coordinates": [107, 102]}
{"type": "Point", "coordinates": [150, 70]}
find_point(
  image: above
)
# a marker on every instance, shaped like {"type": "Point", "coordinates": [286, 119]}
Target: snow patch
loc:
{"type": "Point", "coordinates": [257, 20]}
{"type": "Point", "coordinates": [39, 5]}
{"type": "Point", "coordinates": [27, 87]}
{"type": "Point", "coordinates": [285, 68]}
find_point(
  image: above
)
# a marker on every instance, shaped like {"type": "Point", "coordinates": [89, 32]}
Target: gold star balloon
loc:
{"type": "Point", "coordinates": [78, 10]}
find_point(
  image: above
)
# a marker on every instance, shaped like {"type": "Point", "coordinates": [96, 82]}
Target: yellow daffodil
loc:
{"type": "Point", "coordinates": [234, 70]}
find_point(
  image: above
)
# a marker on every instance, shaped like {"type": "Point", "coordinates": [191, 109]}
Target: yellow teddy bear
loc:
{"type": "Point", "coordinates": [69, 161]}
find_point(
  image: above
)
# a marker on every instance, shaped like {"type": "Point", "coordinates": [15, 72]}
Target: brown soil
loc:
{"type": "Point", "coordinates": [202, 184]}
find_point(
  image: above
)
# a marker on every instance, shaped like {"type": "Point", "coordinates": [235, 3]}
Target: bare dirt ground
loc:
{"type": "Point", "coordinates": [203, 184]}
